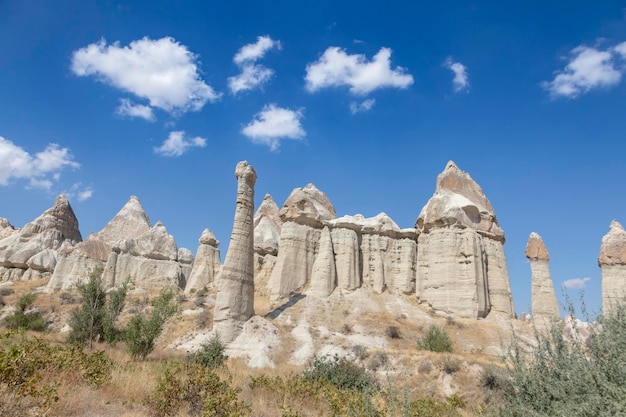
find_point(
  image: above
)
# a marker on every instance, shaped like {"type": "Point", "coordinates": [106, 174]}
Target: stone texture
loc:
{"type": "Point", "coordinates": [150, 260]}
{"type": "Point", "coordinates": [75, 263]}
{"type": "Point", "coordinates": [324, 272]}
{"type": "Point", "coordinates": [6, 228]}
{"type": "Point", "coordinates": [612, 260]}
{"type": "Point", "coordinates": [31, 252]}
{"type": "Point", "coordinates": [544, 306]}
{"type": "Point", "coordinates": [461, 267]}
{"type": "Point", "coordinates": [303, 215]}
{"type": "Point", "coordinates": [207, 263]}
{"type": "Point", "coordinates": [234, 303]}
{"type": "Point", "coordinates": [267, 225]}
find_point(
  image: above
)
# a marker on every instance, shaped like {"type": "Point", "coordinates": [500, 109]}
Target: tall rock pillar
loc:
{"type": "Point", "coordinates": [612, 260]}
{"type": "Point", "coordinates": [544, 307]}
{"type": "Point", "coordinates": [234, 302]}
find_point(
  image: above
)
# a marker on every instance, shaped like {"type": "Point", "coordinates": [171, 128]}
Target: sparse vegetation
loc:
{"type": "Point", "coordinates": [450, 364]}
{"type": "Point", "coordinates": [24, 319]}
{"type": "Point", "coordinates": [436, 340]}
{"type": "Point", "coordinates": [341, 373]}
{"type": "Point", "coordinates": [143, 330]}
{"type": "Point", "coordinates": [556, 375]}
{"type": "Point", "coordinates": [211, 354]}
{"type": "Point", "coordinates": [393, 332]}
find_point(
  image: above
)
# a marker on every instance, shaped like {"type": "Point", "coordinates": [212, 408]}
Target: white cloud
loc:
{"type": "Point", "coordinates": [252, 75]}
{"type": "Point", "coordinates": [77, 190]}
{"type": "Point", "coordinates": [460, 82]}
{"type": "Point", "coordinates": [576, 283]}
{"type": "Point", "coordinates": [41, 169]}
{"type": "Point", "coordinates": [364, 106]}
{"type": "Point", "coordinates": [162, 71]}
{"type": "Point", "coordinates": [621, 49]}
{"type": "Point", "coordinates": [587, 69]}
{"type": "Point", "coordinates": [336, 68]}
{"type": "Point", "coordinates": [128, 109]}
{"type": "Point", "coordinates": [253, 51]}
{"type": "Point", "coordinates": [274, 123]}
{"type": "Point", "coordinates": [176, 144]}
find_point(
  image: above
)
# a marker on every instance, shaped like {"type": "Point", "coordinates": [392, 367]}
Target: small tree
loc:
{"type": "Point", "coordinates": [26, 320]}
{"type": "Point", "coordinates": [436, 340]}
{"type": "Point", "coordinates": [142, 331]}
{"type": "Point", "coordinates": [94, 320]}
{"type": "Point", "coordinates": [211, 354]}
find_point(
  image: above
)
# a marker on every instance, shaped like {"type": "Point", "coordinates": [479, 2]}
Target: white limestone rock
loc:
{"type": "Point", "coordinates": [207, 263]}
{"type": "Point", "coordinates": [461, 265]}
{"type": "Point", "coordinates": [76, 262]}
{"type": "Point", "coordinates": [234, 303]}
{"type": "Point", "coordinates": [612, 261]}
{"type": "Point", "coordinates": [347, 257]}
{"type": "Point", "coordinates": [33, 248]}
{"type": "Point", "coordinates": [6, 228]}
{"type": "Point", "coordinates": [544, 306]}
{"type": "Point", "coordinates": [267, 225]}
{"type": "Point", "coordinates": [324, 272]}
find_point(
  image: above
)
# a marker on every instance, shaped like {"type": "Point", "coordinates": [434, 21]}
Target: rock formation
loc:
{"type": "Point", "coordinates": [207, 263]}
{"type": "Point", "coordinates": [32, 251]}
{"type": "Point", "coordinates": [303, 216]}
{"type": "Point", "coordinates": [6, 228]}
{"type": "Point", "coordinates": [461, 264]}
{"type": "Point", "coordinates": [612, 260]}
{"type": "Point", "coordinates": [150, 260]}
{"type": "Point", "coordinates": [234, 302]}
{"type": "Point", "coordinates": [544, 308]}
{"type": "Point", "coordinates": [267, 226]}
{"type": "Point", "coordinates": [76, 262]}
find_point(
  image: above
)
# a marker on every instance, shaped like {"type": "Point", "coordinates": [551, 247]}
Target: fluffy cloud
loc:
{"type": "Point", "coordinates": [162, 71]}
{"type": "Point", "coordinates": [77, 190]}
{"type": "Point", "coordinates": [41, 169]}
{"type": "Point", "coordinates": [176, 144]}
{"type": "Point", "coordinates": [588, 68]}
{"type": "Point", "coordinates": [460, 82]}
{"type": "Point", "coordinates": [128, 109]}
{"type": "Point", "coordinates": [576, 283]}
{"type": "Point", "coordinates": [364, 106]}
{"type": "Point", "coordinates": [336, 68]}
{"type": "Point", "coordinates": [274, 123]}
{"type": "Point", "coordinates": [254, 51]}
{"type": "Point", "coordinates": [252, 75]}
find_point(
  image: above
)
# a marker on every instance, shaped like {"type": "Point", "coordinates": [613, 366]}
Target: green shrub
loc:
{"type": "Point", "coordinates": [436, 340]}
{"type": "Point", "coordinates": [142, 331]}
{"type": "Point", "coordinates": [198, 391]}
{"type": "Point", "coordinates": [429, 407]}
{"type": "Point", "coordinates": [560, 376]}
{"type": "Point", "coordinates": [340, 372]}
{"type": "Point", "coordinates": [23, 320]}
{"type": "Point", "coordinates": [211, 354]}
{"type": "Point", "coordinates": [450, 364]}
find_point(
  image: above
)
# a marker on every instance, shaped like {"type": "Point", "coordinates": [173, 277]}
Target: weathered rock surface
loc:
{"type": "Point", "coordinates": [6, 228]}
{"type": "Point", "coordinates": [544, 306]}
{"type": "Point", "coordinates": [207, 263]}
{"type": "Point", "coordinates": [267, 226]}
{"type": "Point", "coordinates": [461, 263]}
{"type": "Point", "coordinates": [76, 262]}
{"type": "Point", "coordinates": [612, 260]}
{"type": "Point", "coordinates": [234, 303]}
{"type": "Point", "coordinates": [150, 260]}
{"type": "Point", "coordinates": [303, 216]}
{"type": "Point", "coordinates": [31, 252]}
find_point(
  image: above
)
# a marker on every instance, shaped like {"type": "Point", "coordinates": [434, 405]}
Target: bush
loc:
{"type": "Point", "coordinates": [559, 376]}
{"type": "Point", "coordinates": [341, 373]}
{"type": "Point", "coordinates": [26, 320]}
{"type": "Point", "coordinates": [393, 332]}
{"type": "Point", "coordinates": [450, 365]}
{"type": "Point", "coordinates": [142, 331]}
{"type": "Point", "coordinates": [211, 354]}
{"type": "Point", "coordinates": [436, 340]}
{"type": "Point", "coordinates": [198, 391]}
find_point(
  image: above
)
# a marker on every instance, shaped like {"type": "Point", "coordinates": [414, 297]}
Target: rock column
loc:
{"type": "Point", "coordinates": [234, 303]}
{"type": "Point", "coordinates": [544, 306]}
{"type": "Point", "coordinates": [612, 260]}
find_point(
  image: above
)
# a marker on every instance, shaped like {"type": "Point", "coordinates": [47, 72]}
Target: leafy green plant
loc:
{"type": "Point", "coordinates": [198, 391]}
{"type": "Point", "coordinates": [558, 375]}
{"type": "Point", "coordinates": [436, 340]}
{"type": "Point", "coordinates": [211, 354]}
{"type": "Point", "coordinates": [341, 373]}
{"type": "Point", "coordinates": [143, 330]}
{"type": "Point", "coordinates": [22, 319]}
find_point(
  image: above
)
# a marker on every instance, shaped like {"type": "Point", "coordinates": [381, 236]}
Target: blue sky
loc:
{"type": "Point", "coordinates": [367, 100]}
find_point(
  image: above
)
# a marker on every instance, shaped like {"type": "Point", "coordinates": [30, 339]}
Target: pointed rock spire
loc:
{"type": "Point", "coordinates": [267, 225]}
{"type": "Point", "coordinates": [206, 264]}
{"type": "Point", "coordinates": [612, 260]}
{"type": "Point", "coordinates": [544, 306]}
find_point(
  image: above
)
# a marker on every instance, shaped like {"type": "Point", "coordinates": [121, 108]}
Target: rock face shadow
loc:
{"type": "Point", "coordinates": [278, 310]}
